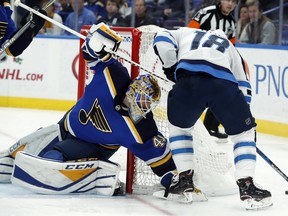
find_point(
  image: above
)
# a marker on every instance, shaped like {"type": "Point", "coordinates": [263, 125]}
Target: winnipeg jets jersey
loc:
{"type": "Point", "coordinates": [199, 51]}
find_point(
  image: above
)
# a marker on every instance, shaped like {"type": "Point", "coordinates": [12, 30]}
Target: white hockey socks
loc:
{"type": "Point", "coordinates": [181, 145]}
{"type": "Point", "coordinates": [244, 154]}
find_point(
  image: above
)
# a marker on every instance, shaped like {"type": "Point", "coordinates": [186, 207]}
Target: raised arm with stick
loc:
{"type": "Point", "coordinates": [20, 4]}
{"type": "Point", "coordinates": [21, 39]}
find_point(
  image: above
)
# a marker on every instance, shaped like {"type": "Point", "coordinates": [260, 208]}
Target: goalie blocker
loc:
{"type": "Point", "coordinates": [46, 176]}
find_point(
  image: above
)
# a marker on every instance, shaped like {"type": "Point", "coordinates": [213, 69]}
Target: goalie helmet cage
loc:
{"type": "Point", "coordinates": [213, 165]}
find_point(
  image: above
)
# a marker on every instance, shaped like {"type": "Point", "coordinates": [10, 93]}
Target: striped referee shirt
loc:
{"type": "Point", "coordinates": [211, 18]}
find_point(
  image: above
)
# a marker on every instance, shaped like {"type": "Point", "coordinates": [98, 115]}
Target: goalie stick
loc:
{"type": "Point", "coordinates": [20, 4]}
{"type": "Point", "coordinates": [9, 42]}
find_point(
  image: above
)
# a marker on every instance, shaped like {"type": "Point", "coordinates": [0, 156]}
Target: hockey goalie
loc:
{"type": "Point", "coordinates": [73, 155]}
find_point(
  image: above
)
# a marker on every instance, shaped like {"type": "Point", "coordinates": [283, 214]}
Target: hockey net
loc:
{"type": "Point", "coordinates": [213, 165]}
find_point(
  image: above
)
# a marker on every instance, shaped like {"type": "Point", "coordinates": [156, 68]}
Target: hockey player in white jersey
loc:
{"type": "Point", "coordinates": [209, 72]}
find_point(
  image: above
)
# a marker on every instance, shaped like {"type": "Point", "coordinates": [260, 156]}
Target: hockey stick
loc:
{"type": "Point", "coordinates": [271, 163]}
{"type": "Point", "coordinates": [19, 3]}
{"type": "Point", "coordinates": [9, 42]}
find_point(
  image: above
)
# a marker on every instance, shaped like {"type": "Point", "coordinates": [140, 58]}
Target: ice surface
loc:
{"type": "Point", "coordinates": [15, 201]}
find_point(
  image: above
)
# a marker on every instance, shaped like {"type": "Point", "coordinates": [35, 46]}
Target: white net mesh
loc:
{"type": "Point", "coordinates": [213, 165]}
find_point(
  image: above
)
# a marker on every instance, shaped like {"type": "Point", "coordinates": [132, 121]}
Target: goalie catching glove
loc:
{"type": "Point", "coordinates": [101, 40]}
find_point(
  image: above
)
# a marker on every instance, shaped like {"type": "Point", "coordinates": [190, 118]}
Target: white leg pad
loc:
{"type": "Point", "coordinates": [46, 176]}
{"type": "Point", "coordinates": [33, 143]}
{"type": "Point", "coordinates": [6, 167]}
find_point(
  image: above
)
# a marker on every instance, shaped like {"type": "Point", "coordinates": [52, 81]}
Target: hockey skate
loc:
{"type": "Point", "coordinates": [253, 197]}
{"type": "Point", "coordinates": [197, 196]}
{"type": "Point", "coordinates": [182, 183]}
{"type": "Point", "coordinates": [119, 189]}
{"type": "Point", "coordinates": [182, 189]}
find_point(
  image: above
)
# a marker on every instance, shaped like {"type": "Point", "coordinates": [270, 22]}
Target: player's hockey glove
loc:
{"type": "Point", "coordinates": [170, 73]}
{"type": "Point", "coordinates": [36, 21]}
{"type": "Point", "coordinates": [101, 40]}
{"type": "Point", "coordinates": [26, 38]}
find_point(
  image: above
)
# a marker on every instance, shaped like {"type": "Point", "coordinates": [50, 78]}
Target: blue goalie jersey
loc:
{"type": "Point", "coordinates": [99, 117]}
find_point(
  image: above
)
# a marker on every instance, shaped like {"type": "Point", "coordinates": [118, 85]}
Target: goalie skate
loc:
{"type": "Point", "coordinates": [182, 189]}
{"type": "Point", "coordinates": [186, 197]}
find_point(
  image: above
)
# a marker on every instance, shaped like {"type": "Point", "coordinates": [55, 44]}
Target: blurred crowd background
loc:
{"type": "Point", "coordinates": [170, 14]}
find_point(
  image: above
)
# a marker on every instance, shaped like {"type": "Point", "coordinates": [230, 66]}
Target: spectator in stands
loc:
{"type": "Point", "coordinates": [206, 3]}
{"type": "Point", "coordinates": [260, 29]}
{"type": "Point", "coordinates": [65, 10]}
{"type": "Point", "coordinates": [243, 19]}
{"type": "Point", "coordinates": [83, 16]}
{"type": "Point", "coordinates": [49, 28]}
{"type": "Point", "coordinates": [174, 9]}
{"type": "Point", "coordinates": [98, 7]}
{"type": "Point", "coordinates": [113, 17]}
{"type": "Point", "coordinates": [170, 9]}
{"type": "Point", "coordinates": [217, 16]}
{"type": "Point", "coordinates": [125, 7]}
{"type": "Point", "coordinates": [195, 6]}
{"type": "Point", "coordinates": [142, 17]}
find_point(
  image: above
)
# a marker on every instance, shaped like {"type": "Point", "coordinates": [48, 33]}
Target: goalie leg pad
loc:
{"type": "Point", "coordinates": [46, 176]}
{"type": "Point", "coordinates": [36, 143]}
{"type": "Point", "coordinates": [6, 167]}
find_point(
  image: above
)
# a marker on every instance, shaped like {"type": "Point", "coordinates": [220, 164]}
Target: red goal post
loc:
{"type": "Point", "coordinates": [213, 165]}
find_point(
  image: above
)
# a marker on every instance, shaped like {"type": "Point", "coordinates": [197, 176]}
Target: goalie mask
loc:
{"type": "Point", "coordinates": [143, 95]}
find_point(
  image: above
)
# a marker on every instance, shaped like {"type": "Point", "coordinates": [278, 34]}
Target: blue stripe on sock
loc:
{"type": "Point", "coordinates": [244, 157]}
{"type": "Point", "coordinates": [178, 138]}
{"type": "Point", "coordinates": [182, 151]}
{"type": "Point", "coordinates": [242, 144]}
